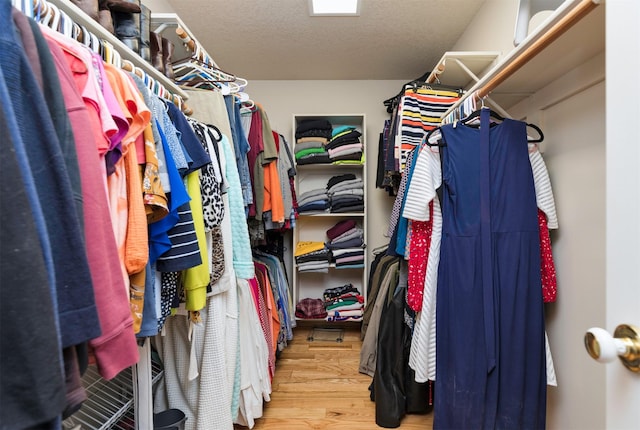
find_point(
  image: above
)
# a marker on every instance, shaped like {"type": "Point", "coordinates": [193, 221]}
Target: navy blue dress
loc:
{"type": "Point", "coordinates": [490, 362]}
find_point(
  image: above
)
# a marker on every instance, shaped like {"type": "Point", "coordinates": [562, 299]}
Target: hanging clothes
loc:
{"type": "Point", "coordinates": [489, 307]}
{"type": "Point", "coordinates": [394, 388]}
{"type": "Point", "coordinates": [150, 209]}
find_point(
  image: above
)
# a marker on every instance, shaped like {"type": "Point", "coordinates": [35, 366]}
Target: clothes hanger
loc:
{"type": "Point", "coordinates": [247, 106]}
{"type": "Point", "coordinates": [241, 82]}
{"type": "Point", "coordinates": [47, 15]}
{"type": "Point", "coordinates": [380, 249]}
{"type": "Point", "coordinates": [111, 55]}
{"type": "Point", "coordinates": [496, 116]}
{"type": "Point", "coordinates": [76, 31]}
{"type": "Point", "coordinates": [84, 34]}
{"type": "Point", "coordinates": [36, 10]}
{"type": "Point", "coordinates": [106, 52]}
{"type": "Point", "coordinates": [432, 140]}
{"type": "Point", "coordinates": [218, 134]}
{"type": "Point", "coordinates": [241, 96]}
{"type": "Point", "coordinates": [28, 7]}
{"type": "Point", "coordinates": [214, 74]}
{"type": "Point", "coordinates": [195, 74]}
{"type": "Point", "coordinates": [66, 24]}
{"type": "Point", "coordinates": [539, 131]}
{"type": "Point", "coordinates": [94, 43]}
{"type": "Point", "coordinates": [476, 114]}
{"type": "Point", "coordinates": [55, 19]}
{"type": "Point", "coordinates": [416, 84]}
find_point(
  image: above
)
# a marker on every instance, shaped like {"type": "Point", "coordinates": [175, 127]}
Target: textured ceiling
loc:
{"type": "Point", "coordinates": [277, 39]}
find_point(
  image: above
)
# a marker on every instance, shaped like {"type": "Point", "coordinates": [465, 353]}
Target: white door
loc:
{"type": "Point", "coordinates": [623, 200]}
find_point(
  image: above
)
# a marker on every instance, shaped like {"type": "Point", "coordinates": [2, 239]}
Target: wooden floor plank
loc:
{"type": "Point", "coordinates": [317, 387]}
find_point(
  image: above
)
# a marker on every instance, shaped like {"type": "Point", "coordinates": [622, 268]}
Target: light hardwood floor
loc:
{"type": "Point", "coordinates": [317, 386]}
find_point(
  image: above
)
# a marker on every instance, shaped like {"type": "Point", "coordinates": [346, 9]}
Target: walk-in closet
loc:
{"type": "Point", "coordinates": [319, 214]}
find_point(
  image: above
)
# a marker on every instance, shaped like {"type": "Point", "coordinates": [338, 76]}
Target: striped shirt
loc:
{"type": "Point", "coordinates": [184, 252]}
{"type": "Point", "coordinates": [421, 111]}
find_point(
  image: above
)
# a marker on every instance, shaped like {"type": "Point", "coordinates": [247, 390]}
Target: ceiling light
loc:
{"type": "Point", "coordinates": [334, 7]}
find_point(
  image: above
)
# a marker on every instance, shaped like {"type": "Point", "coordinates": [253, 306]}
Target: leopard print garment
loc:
{"type": "Point", "coordinates": [210, 179]}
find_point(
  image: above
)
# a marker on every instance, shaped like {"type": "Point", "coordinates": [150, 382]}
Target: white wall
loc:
{"type": "Point", "coordinates": [159, 6]}
{"type": "Point", "coordinates": [574, 130]}
{"type": "Point", "coordinates": [491, 29]}
{"type": "Point", "coordinates": [281, 99]}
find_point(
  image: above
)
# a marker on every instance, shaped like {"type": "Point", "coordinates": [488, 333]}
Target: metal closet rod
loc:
{"type": "Point", "coordinates": [530, 48]}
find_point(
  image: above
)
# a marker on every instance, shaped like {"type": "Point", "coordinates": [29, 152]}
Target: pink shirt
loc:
{"type": "Point", "coordinates": [115, 139]}
{"type": "Point", "coordinates": [116, 348]}
{"type": "Point", "coordinates": [86, 77]}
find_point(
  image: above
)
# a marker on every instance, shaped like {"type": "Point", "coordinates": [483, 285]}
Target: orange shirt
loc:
{"type": "Point", "coordinates": [125, 185]}
{"type": "Point", "coordinates": [273, 192]}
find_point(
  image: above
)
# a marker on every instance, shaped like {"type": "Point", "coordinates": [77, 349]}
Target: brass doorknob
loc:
{"type": "Point", "coordinates": [625, 344]}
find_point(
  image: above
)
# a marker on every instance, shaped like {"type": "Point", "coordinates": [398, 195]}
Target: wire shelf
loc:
{"type": "Point", "coordinates": [110, 403]}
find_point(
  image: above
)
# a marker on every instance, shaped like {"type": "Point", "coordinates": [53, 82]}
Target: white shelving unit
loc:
{"type": "Point", "coordinates": [462, 69]}
{"type": "Point", "coordinates": [313, 227]}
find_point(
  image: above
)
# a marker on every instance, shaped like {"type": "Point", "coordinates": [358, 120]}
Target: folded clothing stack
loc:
{"type": "Point", "coordinates": [312, 257]}
{"type": "Point", "coordinates": [311, 137]}
{"type": "Point", "coordinates": [348, 258]}
{"type": "Point", "coordinates": [346, 243]}
{"type": "Point", "coordinates": [345, 146]}
{"type": "Point", "coordinates": [344, 303]}
{"type": "Point", "coordinates": [346, 193]}
{"type": "Point", "coordinates": [313, 201]}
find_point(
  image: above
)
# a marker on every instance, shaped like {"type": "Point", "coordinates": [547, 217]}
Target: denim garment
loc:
{"type": "Point", "coordinates": [241, 148]}
{"type": "Point", "coordinates": [173, 148]}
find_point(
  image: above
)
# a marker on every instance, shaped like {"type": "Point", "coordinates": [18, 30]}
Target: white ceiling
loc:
{"type": "Point", "coordinates": [277, 39]}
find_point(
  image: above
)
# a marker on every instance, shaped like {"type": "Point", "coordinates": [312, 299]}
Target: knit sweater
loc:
{"type": "Point", "coordinates": [242, 261]}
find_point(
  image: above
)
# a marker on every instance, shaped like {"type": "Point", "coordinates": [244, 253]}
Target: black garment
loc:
{"type": "Point", "coordinates": [356, 156]}
{"type": "Point", "coordinates": [314, 133]}
{"type": "Point", "coordinates": [345, 209]}
{"type": "Point", "coordinates": [333, 293]}
{"type": "Point", "coordinates": [322, 255]}
{"type": "Point", "coordinates": [76, 394]}
{"type": "Point", "coordinates": [346, 202]}
{"type": "Point", "coordinates": [351, 243]}
{"type": "Point", "coordinates": [394, 388]}
{"type": "Point", "coordinates": [313, 124]}
{"type": "Point", "coordinates": [345, 199]}
{"type": "Point", "coordinates": [48, 163]}
{"type": "Point", "coordinates": [334, 180]}
{"type": "Point", "coordinates": [57, 108]}
{"type": "Point", "coordinates": [317, 158]}
{"type": "Point", "coordinates": [380, 163]}
{"type": "Point", "coordinates": [379, 268]}
{"type": "Point", "coordinates": [31, 378]}
{"type": "Point", "coordinates": [351, 137]}
{"type": "Point", "coordinates": [342, 142]}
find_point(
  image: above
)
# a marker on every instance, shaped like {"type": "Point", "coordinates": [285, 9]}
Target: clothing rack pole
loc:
{"type": "Point", "coordinates": [435, 73]}
{"type": "Point", "coordinates": [78, 16]}
{"type": "Point", "coordinates": [565, 23]}
{"type": "Point", "coordinates": [568, 14]}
